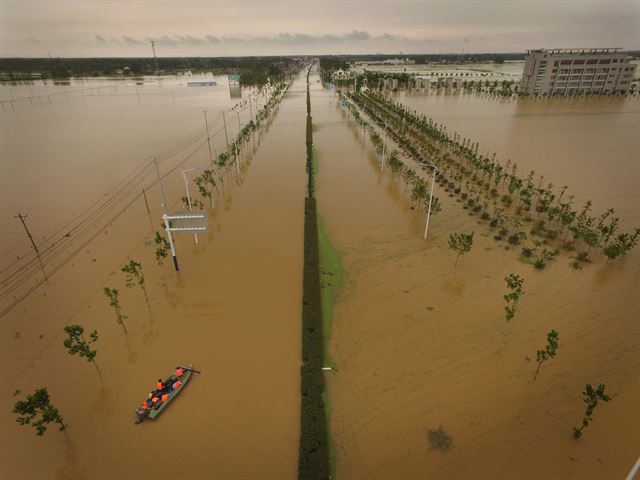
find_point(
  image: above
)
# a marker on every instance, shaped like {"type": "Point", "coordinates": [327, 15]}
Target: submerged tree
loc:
{"type": "Point", "coordinates": [162, 247]}
{"type": "Point", "coordinates": [135, 276]}
{"type": "Point", "coordinates": [461, 243]}
{"type": "Point", "coordinates": [514, 283]}
{"type": "Point", "coordinates": [38, 411]}
{"type": "Point", "coordinates": [591, 397]}
{"type": "Point", "coordinates": [76, 343]}
{"type": "Point", "coordinates": [113, 294]}
{"type": "Point", "coordinates": [549, 351]}
{"type": "Point", "coordinates": [622, 244]}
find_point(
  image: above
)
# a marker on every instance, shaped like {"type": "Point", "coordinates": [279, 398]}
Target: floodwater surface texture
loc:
{"type": "Point", "coordinates": [425, 378]}
{"type": "Point", "coordinates": [233, 310]}
{"type": "Point", "coordinates": [431, 380]}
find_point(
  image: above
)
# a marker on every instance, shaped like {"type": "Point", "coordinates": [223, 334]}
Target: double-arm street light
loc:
{"type": "Point", "coordinates": [433, 183]}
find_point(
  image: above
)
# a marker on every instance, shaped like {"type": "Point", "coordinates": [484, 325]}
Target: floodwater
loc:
{"type": "Point", "coordinates": [590, 143]}
{"type": "Point", "coordinates": [233, 310]}
{"type": "Point", "coordinates": [420, 345]}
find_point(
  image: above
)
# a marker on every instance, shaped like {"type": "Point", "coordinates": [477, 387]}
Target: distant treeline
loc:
{"type": "Point", "coordinates": [252, 70]}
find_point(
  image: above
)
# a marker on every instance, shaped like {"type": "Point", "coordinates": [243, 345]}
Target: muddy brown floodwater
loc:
{"type": "Point", "coordinates": [421, 345]}
{"type": "Point", "coordinates": [233, 311]}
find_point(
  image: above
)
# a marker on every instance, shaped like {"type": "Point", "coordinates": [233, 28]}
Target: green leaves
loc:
{"type": "Point", "coordinates": [514, 284]}
{"type": "Point", "coordinates": [38, 411]}
{"type": "Point", "coordinates": [549, 351]}
{"type": "Point", "coordinates": [133, 270]}
{"type": "Point", "coordinates": [592, 398]}
{"type": "Point", "coordinates": [461, 243]}
{"type": "Point", "coordinates": [113, 294]}
{"type": "Point", "coordinates": [75, 342]}
{"type": "Point", "coordinates": [162, 247]}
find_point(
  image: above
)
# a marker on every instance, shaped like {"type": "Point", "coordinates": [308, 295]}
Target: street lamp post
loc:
{"type": "Point", "coordinates": [186, 188]}
{"type": "Point", "coordinates": [433, 183]}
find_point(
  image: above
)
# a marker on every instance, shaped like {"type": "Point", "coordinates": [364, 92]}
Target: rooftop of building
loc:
{"type": "Point", "coordinates": [577, 51]}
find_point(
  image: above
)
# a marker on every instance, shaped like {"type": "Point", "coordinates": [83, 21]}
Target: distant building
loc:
{"type": "Point", "coordinates": [569, 71]}
{"type": "Point", "coordinates": [341, 75]}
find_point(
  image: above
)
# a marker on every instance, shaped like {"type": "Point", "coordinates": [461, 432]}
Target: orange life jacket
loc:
{"type": "Point", "coordinates": [177, 384]}
{"type": "Point", "coordinates": [179, 372]}
{"type": "Point", "coordinates": [165, 397]}
{"type": "Point", "coordinates": [160, 386]}
{"type": "Point", "coordinates": [155, 399]}
{"type": "Point", "coordinates": [144, 405]}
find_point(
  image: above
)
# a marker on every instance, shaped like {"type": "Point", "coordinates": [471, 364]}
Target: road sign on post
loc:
{"type": "Point", "coordinates": [183, 222]}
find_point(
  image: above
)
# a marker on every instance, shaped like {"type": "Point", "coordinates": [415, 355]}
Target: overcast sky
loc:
{"type": "Point", "coordinates": [66, 28]}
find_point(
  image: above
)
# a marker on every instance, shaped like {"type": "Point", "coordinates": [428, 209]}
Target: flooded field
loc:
{"type": "Point", "coordinates": [588, 144]}
{"type": "Point", "coordinates": [423, 351]}
{"type": "Point", "coordinates": [233, 310]}
{"type": "Point", "coordinates": [429, 379]}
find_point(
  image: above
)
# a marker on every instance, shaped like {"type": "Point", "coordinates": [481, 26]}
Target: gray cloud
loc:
{"type": "Point", "coordinates": [190, 40]}
{"type": "Point", "coordinates": [131, 40]}
{"type": "Point", "coordinates": [356, 35]}
{"type": "Point", "coordinates": [284, 38]}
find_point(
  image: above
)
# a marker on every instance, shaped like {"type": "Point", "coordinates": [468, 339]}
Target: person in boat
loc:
{"type": "Point", "coordinates": [179, 372]}
{"type": "Point", "coordinates": [142, 411]}
{"type": "Point", "coordinates": [176, 385]}
{"type": "Point", "coordinates": [160, 385]}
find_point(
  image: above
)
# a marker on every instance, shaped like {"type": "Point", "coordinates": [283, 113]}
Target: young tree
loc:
{"type": "Point", "coordinates": [548, 352]}
{"type": "Point", "coordinates": [591, 397]}
{"type": "Point", "coordinates": [113, 294]}
{"type": "Point", "coordinates": [38, 411]}
{"type": "Point", "coordinates": [135, 276]}
{"type": "Point", "coordinates": [461, 243]}
{"type": "Point", "coordinates": [162, 247]}
{"type": "Point", "coordinates": [514, 283]}
{"type": "Point", "coordinates": [76, 343]}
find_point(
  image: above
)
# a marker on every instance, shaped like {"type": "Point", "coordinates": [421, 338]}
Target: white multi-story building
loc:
{"type": "Point", "coordinates": [571, 71]}
{"type": "Point", "coordinates": [341, 75]}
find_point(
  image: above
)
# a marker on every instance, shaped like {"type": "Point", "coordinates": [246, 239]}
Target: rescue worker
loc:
{"type": "Point", "coordinates": [179, 372]}
{"type": "Point", "coordinates": [177, 384]}
{"type": "Point", "coordinates": [160, 385]}
{"type": "Point", "coordinates": [165, 397]}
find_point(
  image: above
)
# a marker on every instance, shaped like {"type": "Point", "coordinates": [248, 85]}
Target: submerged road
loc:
{"type": "Point", "coordinates": [233, 311]}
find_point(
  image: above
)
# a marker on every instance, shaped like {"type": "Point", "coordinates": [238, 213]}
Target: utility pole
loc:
{"type": "Point", "coordinates": [239, 130]}
{"type": "Point", "coordinates": [22, 217]}
{"type": "Point", "coordinates": [224, 120]}
{"type": "Point", "coordinates": [164, 199]}
{"type": "Point", "coordinates": [24, 224]}
{"type": "Point", "coordinates": [226, 137]}
{"type": "Point", "coordinates": [155, 59]}
{"type": "Point", "coordinates": [206, 126]}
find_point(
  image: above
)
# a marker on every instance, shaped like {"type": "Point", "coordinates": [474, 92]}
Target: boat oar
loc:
{"type": "Point", "coordinates": [191, 370]}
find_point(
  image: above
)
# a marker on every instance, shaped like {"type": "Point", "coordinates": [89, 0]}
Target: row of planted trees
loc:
{"type": "Point", "coordinates": [414, 185]}
{"type": "Point", "coordinates": [461, 243]}
{"type": "Point", "coordinates": [37, 409]}
{"type": "Point", "coordinates": [515, 206]}
{"type": "Point", "coordinates": [222, 163]}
